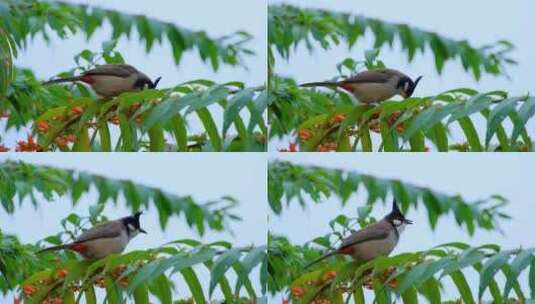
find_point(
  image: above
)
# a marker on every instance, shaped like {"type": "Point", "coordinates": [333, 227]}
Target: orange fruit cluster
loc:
{"type": "Point", "coordinates": [291, 148]}
{"type": "Point", "coordinates": [368, 283]}
{"type": "Point", "coordinates": [28, 146]}
{"type": "Point", "coordinates": [64, 140]}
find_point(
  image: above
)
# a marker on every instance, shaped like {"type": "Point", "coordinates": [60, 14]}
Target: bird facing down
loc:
{"type": "Point", "coordinates": [104, 239]}
{"type": "Point", "coordinates": [110, 80]}
{"type": "Point", "coordinates": [378, 239]}
{"type": "Point", "coordinates": [374, 86]}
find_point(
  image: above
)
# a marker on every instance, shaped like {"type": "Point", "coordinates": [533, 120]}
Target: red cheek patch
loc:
{"type": "Point", "coordinates": [88, 79]}
{"type": "Point", "coordinates": [346, 250]}
{"type": "Point", "coordinates": [347, 87]}
{"type": "Point", "coordinates": [78, 247]}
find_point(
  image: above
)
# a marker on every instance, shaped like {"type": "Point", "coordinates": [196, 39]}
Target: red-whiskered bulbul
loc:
{"type": "Point", "coordinates": [374, 85]}
{"type": "Point", "coordinates": [104, 239]}
{"type": "Point", "coordinates": [110, 80]}
{"type": "Point", "coordinates": [378, 239]}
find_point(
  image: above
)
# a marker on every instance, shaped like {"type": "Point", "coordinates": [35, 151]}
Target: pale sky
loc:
{"type": "Point", "coordinates": [480, 22]}
{"type": "Point", "coordinates": [205, 177]}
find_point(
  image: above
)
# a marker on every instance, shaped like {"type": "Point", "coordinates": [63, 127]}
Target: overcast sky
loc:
{"type": "Point", "coordinates": [480, 22]}
{"type": "Point", "coordinates": [217, 18]}
{"type": "Point", "coordinates": [473, 176]}
{"type": "Point", "coordinates": [204, 176]}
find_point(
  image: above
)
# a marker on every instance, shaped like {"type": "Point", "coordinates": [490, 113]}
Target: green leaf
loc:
{"type": "Point", "coordinates": [221, 265]}
{"type": "Point", "coordinates": [180, 132]}
{"type": "Point", "coordinates": [194, 285]}
{"type": "Point", "coordinates": [211, 129]}
{"type": "Point", "coordinates": [526, 111]}
{"type": "Point", "coordinates": [410, 296]}
{"type": "Point", "coordinates": [520, 262]}
{"type": "Point", "coordinates": [490, 268]}
{"type": "Point", "coordinates": [234, 106]}
{"type": "Point", "coordinates": [157, 139]}
{"type": "Point", "coordinates": [141, 295]}
{"type": "Point", "coordinates": [462, 286]}
{"type": "Point", "coordinates": [497, 115]}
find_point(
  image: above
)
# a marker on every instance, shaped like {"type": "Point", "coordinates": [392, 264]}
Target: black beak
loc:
{"type": "Point", "coordinates": [156, 82]}
{"type": "Point", "coordinates": [407, 221]}
{"type": "Point", "coordinates": [142, 231]}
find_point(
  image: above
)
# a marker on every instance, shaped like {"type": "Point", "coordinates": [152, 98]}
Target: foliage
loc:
{"type": "Point", "coordinates": [289, 26]}
{"type": "Point", "coordinates": [413, 276]}
{"type": "Point", "coordinates": [24, 19]}
{"type": "Point", "coordinates": [69, 119]}
{"type": "Point", "coordinates": [336, 121]}
{"type": "Point", "coordinates": [290, 182]}
{"type": "Point", "coordinates": [133, 275]}
{"type": "Point", "coordinates": [237, 272]}
{"type": "Point", "coordinates": [322, 121]}
{"type": "Point", "coordinates": [25, 181]}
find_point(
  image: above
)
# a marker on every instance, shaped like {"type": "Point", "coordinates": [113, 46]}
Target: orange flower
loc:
{"type": "Point", "coordinates": [139, 119]}
{"type": "Point", "coordinates": [61, 141]}
{"type": "Point", "coordinates": [62, 273]}
{"type": "Point", "coordinates": [29, 290]}
{"type": "Point", "coordinates": [28, 146]}
{"type": "Point", "coordinates": [297, 292]}
{"type": "Point", "coordinates": [4, 148]}
{"type": "Point", "coordinates": [329, 275]}
{"type": "Point", "coordinates": [42, 127]}
{"type": "Point", "coordinates": [327, 147]}
{"type": "Point", "coordinates": [16, 300]}
{"type": "Point", "coordinates": [77, 110]}
{"type": "Point", "coordinates": [115, 120]}
{"type": "Point", "coordinates": [338, 118]}
{"type": "Point", "coordinates": [305, 134]}
{"type": "Point", "coordinates": [291, 148]}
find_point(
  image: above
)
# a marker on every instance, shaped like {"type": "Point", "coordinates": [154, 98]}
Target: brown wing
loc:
{"type": "Point", "coordinates": [106, 230]}
{"type": "Point", "coordinates": [377, 231]}
{"type": "Point", "coordinates": [373, 76]}
{"type": "Point", "coordinates": [119, 70]}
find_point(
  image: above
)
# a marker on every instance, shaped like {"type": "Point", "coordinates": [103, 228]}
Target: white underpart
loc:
{"type": "Point", "coordinates": [401, 227]}
{"type": "Point", "coordinates": [109, 86]}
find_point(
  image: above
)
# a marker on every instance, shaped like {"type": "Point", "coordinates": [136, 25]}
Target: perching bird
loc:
{"type": "Point", "coordinates": [110, 80]}
{"type": "Point", "coordinates": [375, 85]}
{"type": "Point", "coordinates": [378, 239]}
{"type": "Point", "coordinates": [104, 239]}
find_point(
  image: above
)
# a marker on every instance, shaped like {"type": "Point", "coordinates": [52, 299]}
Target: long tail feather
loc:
{"type": "Point", "coordinates": [54, 248]}
{"type": "Point", "coordinates": [60, 80]}
{"type": "Point", "coordinates": [320, 84]}
{"type": "Point", "coordinates": [323, 257]}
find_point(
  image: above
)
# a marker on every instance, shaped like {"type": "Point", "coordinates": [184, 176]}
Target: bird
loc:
{"type": "Point", "coordinates": [110, 80]}
{"type": "Point", "coordinates": [104, 239]}
{"type": "Point", "coordinates": [374, 86]}
{"type": "Point", "coordinates": [375, 240]}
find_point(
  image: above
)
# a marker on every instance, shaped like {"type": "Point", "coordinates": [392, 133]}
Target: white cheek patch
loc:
{"type": "Point", "coordinates": [406, 87]}
{"type": "Point", "coordinates": [397, 223]}
{"type": "Point", "coordinates": [131, 228]}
